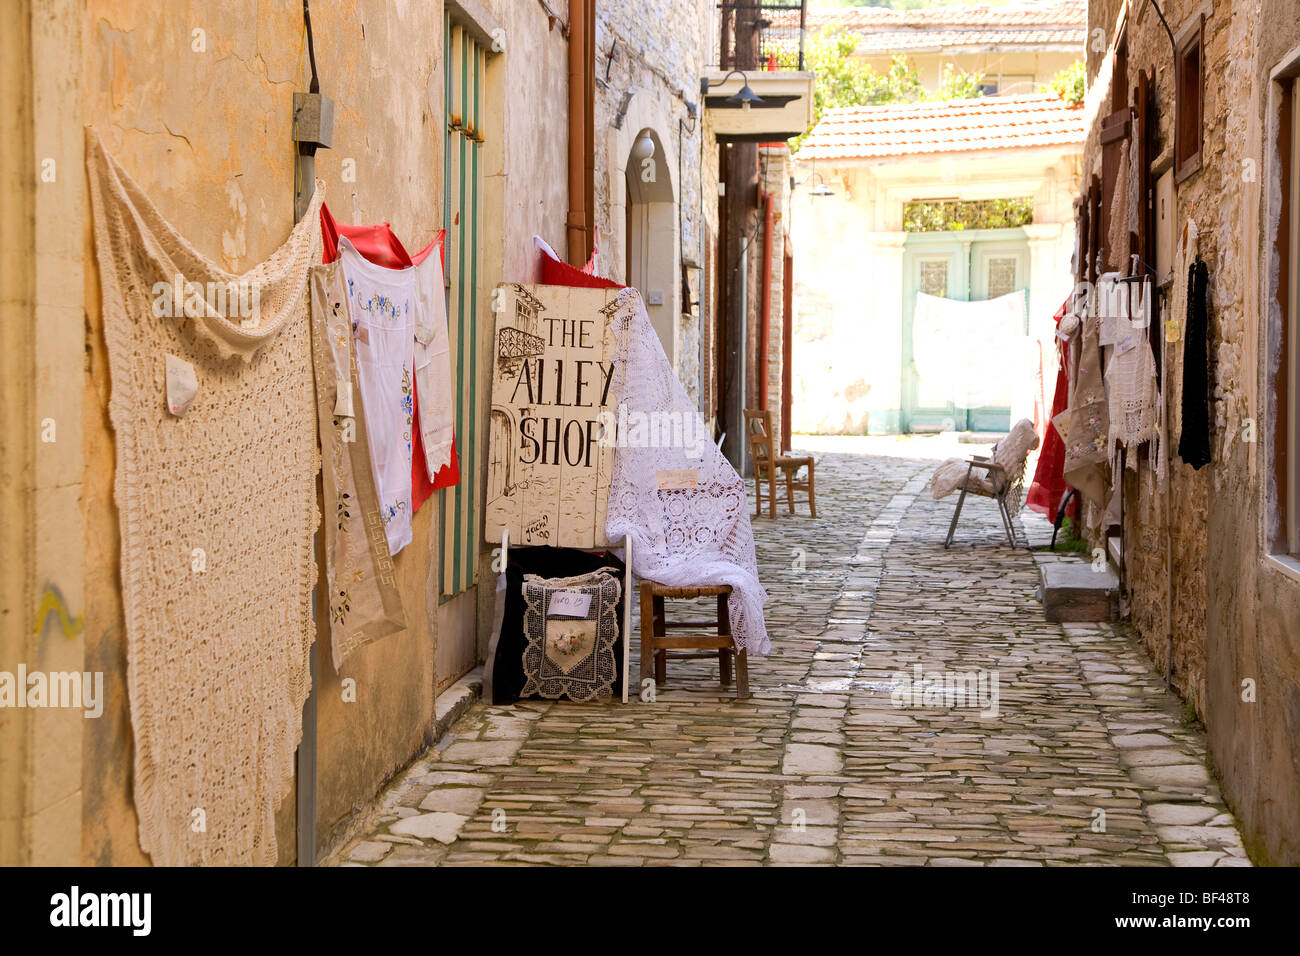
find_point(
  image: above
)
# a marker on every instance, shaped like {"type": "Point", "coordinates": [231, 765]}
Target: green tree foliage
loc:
{"type": "Point", "coordinates": [1070, 84]}
{"type": "Point", "coordinates": [959, 215]}
{"type": "Point", "coordinates": [958, 84]}
{"type": "Point", "coordinates": [844, 79]}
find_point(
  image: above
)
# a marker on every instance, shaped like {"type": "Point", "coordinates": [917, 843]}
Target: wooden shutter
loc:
{"type": "Point", "coordinates": [463, 65]}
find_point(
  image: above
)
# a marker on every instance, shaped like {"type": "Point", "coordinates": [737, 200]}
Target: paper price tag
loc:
{"type": "Point", "coordinates": [569, 604]}
{"type": "Point", "coordinates": [1128, 343]}
{"type": "Point", "coordinates": [675, 478]}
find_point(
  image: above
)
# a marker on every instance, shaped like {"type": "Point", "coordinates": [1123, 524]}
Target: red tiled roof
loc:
{"type": "Point", "coordinates": [1061, 13]}
{"type": "Point", "coordinates": [884, 30]}
{"type": "Point", "coordinates": [948, 126]}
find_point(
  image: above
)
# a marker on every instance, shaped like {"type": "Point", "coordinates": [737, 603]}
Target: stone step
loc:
{"type": "Point", "coordinates": [1073, 591]}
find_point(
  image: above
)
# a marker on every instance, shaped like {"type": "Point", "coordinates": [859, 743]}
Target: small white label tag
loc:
{"type": "Point", "coordinates": [1128, 343]}
{"type": "Point", "coordinates": [343, 400]}
{"type": "Point", "coordinates": [569, 604]}
{"type": "Point", "coordinates": [678, 478]}
{"type": "Point", "coordinates": [182, 385]}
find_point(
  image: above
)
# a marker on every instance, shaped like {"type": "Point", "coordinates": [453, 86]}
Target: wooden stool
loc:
{"type": "Point", "coordinates": [655, 642]}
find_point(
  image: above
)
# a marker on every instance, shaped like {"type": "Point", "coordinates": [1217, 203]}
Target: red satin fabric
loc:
{"type": "Point", "coordinates": [1049, 477]}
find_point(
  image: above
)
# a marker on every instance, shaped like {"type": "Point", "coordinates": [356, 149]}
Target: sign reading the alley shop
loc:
{"type": "Point", "coordinates": [552, 399]}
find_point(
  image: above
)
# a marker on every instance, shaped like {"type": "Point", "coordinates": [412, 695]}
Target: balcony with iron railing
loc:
{"type": "Point", "coordinates": [761, 34]}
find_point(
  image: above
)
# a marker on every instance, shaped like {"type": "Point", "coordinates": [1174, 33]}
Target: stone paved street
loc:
{"type": "Point", "coordinates": [1087, 759]}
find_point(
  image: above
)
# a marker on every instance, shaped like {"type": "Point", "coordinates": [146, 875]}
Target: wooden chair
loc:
{"type": "Point", "coordinates": [655, 642]}
{"type": "Point", "coordinates": [758, 425]}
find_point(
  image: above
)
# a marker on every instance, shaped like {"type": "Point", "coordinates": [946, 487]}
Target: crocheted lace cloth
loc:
{"type": "Point", "coordinates": [217, 512]}
{"type": "Point", "coordinates": [1134, 404]}
{"type": "Point", "coordinates": [681, 536]}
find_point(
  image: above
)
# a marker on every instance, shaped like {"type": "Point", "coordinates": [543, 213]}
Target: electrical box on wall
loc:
{"type": "Point", "coordinates": [654, 297]}
{"type": "Point", "coordinates": [313, 120]}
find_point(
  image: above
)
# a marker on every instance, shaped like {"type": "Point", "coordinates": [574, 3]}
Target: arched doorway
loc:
{"type": "Point", "coordinates": [651, 234]}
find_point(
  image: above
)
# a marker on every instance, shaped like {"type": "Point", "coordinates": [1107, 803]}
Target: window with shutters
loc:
{"type": "Point", "coordinates": [1189, 117]}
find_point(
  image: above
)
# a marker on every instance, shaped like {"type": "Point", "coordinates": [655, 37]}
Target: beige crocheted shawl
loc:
{"type": "Point", "coordinates": [217, 512]}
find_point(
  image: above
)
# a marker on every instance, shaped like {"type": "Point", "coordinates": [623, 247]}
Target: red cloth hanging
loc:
{"type": "Point", "coordinates": [380, 245]}
{"type": "Point", "coordinates": [1049, 485]}
{"type": "Point", "coordinates": [555, 272]}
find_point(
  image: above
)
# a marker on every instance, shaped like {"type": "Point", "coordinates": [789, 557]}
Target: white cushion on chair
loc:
{"type": "Point", "coordinates": [1010, 453]}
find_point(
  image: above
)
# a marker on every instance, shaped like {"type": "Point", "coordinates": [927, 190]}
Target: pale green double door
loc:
{"type": "Point", "coordinates": [969, 265]}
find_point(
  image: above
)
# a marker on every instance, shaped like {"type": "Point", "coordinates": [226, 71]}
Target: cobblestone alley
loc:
{"type": "Point", "coordinates": [1087, 760]}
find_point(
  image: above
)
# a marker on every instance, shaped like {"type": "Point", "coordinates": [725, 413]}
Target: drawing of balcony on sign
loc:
{"type": "Point", "coordinates": [520, 342]}
{"type": "Point", "coordinates": [548, 470]}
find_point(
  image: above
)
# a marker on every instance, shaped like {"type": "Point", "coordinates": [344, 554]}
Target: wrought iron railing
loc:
{"type": "Point", "coordinates": [761, 34]}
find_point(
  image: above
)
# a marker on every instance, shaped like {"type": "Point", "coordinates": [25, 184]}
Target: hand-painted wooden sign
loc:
{"type": "Point", "coordinates": [552, 377]}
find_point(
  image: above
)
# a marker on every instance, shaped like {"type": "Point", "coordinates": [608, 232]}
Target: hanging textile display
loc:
{"type": "Point", "coordinates": [1117, 242]}
{"type": "Point", "coordinates": [1085, 424]}
{"type": "Point", "coordinates": [1134, 402]}
{"type": "Point", "coordinates": [1049, 487]}
{"type": "Point", "coordinates": [571, 626]}
{"type": "Point", "coordinates": [1194, 441]}
{"type": "Point", "coordinates": [217, 513]}
{"type": "Point", "coordinates": [956, 345]}
{"type": "Point", "coordinates": [433, 361]}
{"type": "Point", "coordinates": [381, 303]}
{"type": "Point", "coordinates": [380, 245]}
{"type": "Point", "coordinates": [364, 604]}
{"type": "Point", "coordinates": [1112, 309]}
{"type": "Point", "coordinates": [683, 536]}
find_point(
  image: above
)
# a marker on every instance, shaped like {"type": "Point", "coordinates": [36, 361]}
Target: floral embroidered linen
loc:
{"type": "Point", "coordinates": [364, 604]}
{"type": "Point", "coordinates": [572, 654]}
{"type": "Point", "coordinates": [381, 303]}
{"type": "Point", "coordinates": [217, 660]}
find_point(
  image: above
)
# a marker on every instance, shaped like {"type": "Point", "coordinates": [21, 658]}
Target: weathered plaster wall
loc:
{"type": "Point", "coordinates": [203, 122]}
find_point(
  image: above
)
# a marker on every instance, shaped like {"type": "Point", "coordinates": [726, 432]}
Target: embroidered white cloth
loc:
{"type": "Point", "coordinates": [681, 536]}
{"type": "Point", "coordinates": [962, 349]}
{"type": "Point", "coordinates": [1134, 402]}
{"type": "Point", "coordinates": [433, 363]}
{"type": "Point", "coordinates": [382, 304]}
{"type": "Point", "coordinates": [217, 512]}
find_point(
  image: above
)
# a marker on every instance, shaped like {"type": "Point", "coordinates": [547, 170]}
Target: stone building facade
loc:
{"type": "Point", "coordinates": [1213, 582]}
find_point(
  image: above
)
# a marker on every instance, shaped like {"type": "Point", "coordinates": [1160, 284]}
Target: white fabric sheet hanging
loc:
{"type": "Point", "coordinates": [433, 364]}
{"type": "Point", "coordinates": [382, 304]}
{"type": "Point", "coordinates": [973, 352]}
{"type": "Point", "coordinates": [682, 536]}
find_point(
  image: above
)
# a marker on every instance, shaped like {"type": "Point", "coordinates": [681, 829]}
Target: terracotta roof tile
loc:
{"type": "Point", "coordinates": [948, 126]}
{"type": "Point", "coordinates": [1064, 13]}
